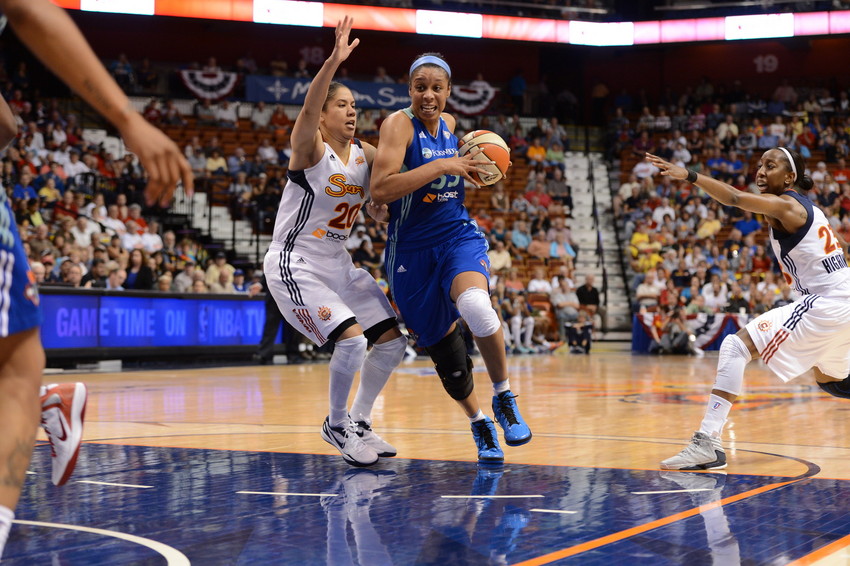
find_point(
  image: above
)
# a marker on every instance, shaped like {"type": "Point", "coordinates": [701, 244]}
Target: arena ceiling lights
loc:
{"type": "Point", "coordinates": [429, 22]}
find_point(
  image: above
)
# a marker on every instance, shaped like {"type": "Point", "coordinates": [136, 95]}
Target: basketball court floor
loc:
{"type": "Point", "coordinates": [221, 466]}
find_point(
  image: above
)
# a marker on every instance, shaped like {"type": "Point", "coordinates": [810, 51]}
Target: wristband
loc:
{"type": "Point", "coordinates": [692, 176]}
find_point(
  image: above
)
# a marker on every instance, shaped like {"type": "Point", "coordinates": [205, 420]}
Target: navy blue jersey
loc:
{"type": "Point", "coordinates": [434, 213]}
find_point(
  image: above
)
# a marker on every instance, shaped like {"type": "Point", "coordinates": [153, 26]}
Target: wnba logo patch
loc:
{"type": "Point", "coordinates": [715, 405]}
{"type": "Point", "coordinates": [324, 313]}
{"type": "Point", "coordinates": [764, 325]}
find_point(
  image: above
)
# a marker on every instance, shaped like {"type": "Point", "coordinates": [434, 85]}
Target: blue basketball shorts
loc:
{"type": "Point", "coordinates": [421, 281]}
{"type": "Point", "coordinates": [19, 308]}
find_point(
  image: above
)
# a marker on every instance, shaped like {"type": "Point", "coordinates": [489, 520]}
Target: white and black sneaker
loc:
{"type": "Point", "coordinates": [371, 439]}
{"type": "Point", "coordinates": [703, 453]}
{"type": "Point", "coordinates": [345, 439]}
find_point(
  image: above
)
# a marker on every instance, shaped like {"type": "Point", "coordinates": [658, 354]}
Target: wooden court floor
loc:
{"type": "Point", "coordinates": [601, 423]}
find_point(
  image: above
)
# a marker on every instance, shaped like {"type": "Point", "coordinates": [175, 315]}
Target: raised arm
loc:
{"type": "Point", "coordinates": [54, 38]}
{"type": "Point", "coordinates": [307, 145]}
{"type": "Point", "coordinates": [787, 211]}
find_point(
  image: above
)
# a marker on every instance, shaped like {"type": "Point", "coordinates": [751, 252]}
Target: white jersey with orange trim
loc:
{"type": "Point", "coordinates": [320, 204]}
{"type": "Point", "coordinates": [813, 331]}
{"type": "Point", "coordinates": [811, 258]}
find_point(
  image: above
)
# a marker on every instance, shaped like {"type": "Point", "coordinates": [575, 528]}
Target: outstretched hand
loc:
{"type": "Point", "coordinates": [379, 212]}
{"type": "Point", "coordinates": [667, 168]}
{"type": "Point", "coordinates": [162, 160]}
{"type": "Point", "coordinates": [342, 48]}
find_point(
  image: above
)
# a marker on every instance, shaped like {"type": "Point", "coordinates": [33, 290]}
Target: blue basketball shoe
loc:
{"type": "Point", "coordinates": [507, 415]}
{"type": "Point", "coordinates": [484, 433]}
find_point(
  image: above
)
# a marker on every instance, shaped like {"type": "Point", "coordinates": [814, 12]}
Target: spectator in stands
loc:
{"type": "Point", "coordinates": [199, 286]}
{"type": "Point", "coordinates": [762, 263]}
{"type": "Point", "coordinates": [365, 256]}
{"type": "Point", "coordinates": [648, 293]}
{"type": "Point", "coordinates": [500, 258]}
{"type": "Point", "coordinates": [709, 226]}
{"type": "Point", "coordinates": [279, 121]}
{"type": "Point", "coordinates": [266, 152]}
{"type": "Point", "coordinates": [644, 169]}
{"type": "Point", "coordinates": [520, 236]}
{"type": "Point", "coordinates": [139, 274]}
{"type": "Point", "coordinates": [151, 240]}
{"type": "Point", "coordinates": [747, 224]}
{"type": "Point", "coordinates": [97, 274]}
{"type": "Point", "coordinates": [566, 305]}
{"type": "Point", "coordinates": [171, 114]}
{"type": "Point", "coordinates": [590, 302]}
{"type": "Point", "coordinates": [516, 313]}
{"type": "Point", "coordinates": [539, 283]}
{"type": "Point", "coordinates": [561, 249]}
{"type": "Point", "coordinates": [219, 265]}
{"type": "Point", "coordinates": [216, 164]}
{"type": "Point", "coordinates": [83, 230]}
{"type": "Point", "coordinates": [736, 301]}
{"type": "Point", "coordinates": [227, 114]}
{"type": "Point", "coordinates": [785, 296]}
{"type": "Point", "coordinates": [206, 114]}
{"type": "Point", "coordinates": [183, 280]}
{"type": "Point", "coordinates": [123, 73]}
{"type": "Point", "coordinates": [261, 116]}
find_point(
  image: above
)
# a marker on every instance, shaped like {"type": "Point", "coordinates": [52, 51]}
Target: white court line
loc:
{"type": "Point", "coordinates": [672, 491]}
{"type": "Point", "coordinates": [287, 493]}
{"type": "Point", "coordinates": [115, 484]}
{"type": "Point", "coordinates": [173, 557]}
{"type": "Point", "coordinates": [488, 496]}
{"type": "Point", "coordinates": [554, 511]}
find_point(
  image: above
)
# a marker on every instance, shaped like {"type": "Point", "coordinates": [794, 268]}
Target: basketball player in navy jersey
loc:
{"type": "Point", "coordinates": [311, 274]}
{"type": "Point", "coordinates": [810, 333]}
{"type": "Point", "coordinates": [436, 258]}
{"type": "Point", "coordinates": [48, 31]}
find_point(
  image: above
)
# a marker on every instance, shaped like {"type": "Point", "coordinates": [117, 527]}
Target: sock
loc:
{"type": "Point", "coordinates": [346, 360]}
{"type": "Point", "coordinates": [6, 518]}
{"type": "Point", "coordinates": [501, 387]}
{"type": "Point", "coordinates": [715, 415]}
{"type": "Point", "coordinates": [479, 416]}
{"type": "Point", "coordinates": [380, 362]}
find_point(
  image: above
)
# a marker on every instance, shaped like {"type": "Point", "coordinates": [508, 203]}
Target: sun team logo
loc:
{"type": "Point", "coordinates": [359, 160]}
{"type": "Point", "coordinates": [764, 325]}
{"type": "Point", "coordinates": [324, 313]}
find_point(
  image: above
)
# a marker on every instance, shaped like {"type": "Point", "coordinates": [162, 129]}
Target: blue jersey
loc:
{"type": "Point", "coordinates": [19, 309]}
{"type": "Point", "coordinates": [433, 213]}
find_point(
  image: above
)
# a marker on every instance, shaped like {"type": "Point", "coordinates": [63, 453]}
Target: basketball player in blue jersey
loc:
{"type": "Point", "coordinates": [810, 333]}
{"type": "Point", "coordinates": [436, 258]}
{"type": "Point", "coordinates": [311, 274]}
{"type": "Point", "coordinates": [48, 31]}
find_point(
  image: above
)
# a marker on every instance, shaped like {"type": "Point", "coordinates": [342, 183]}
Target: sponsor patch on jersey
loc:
{"type": "Point", "coordinates": [335, 236]}
{"type": "Point", "coordinates": [484, 265]}
{"type": "Point", "coordinates": [764, 325]}
{"type": "Point", "coordinates": [447, 196]}
{"type": "Point", "coordinates": [319, 233]}
{"type": "Point", "coordinates": [429, 197]}
{"type": "Point", "coordinates": [427, 153]}
{"type": "Point", "coordinates": [324, 313]}
{"type": "Point", "coordinates": [359, 160]}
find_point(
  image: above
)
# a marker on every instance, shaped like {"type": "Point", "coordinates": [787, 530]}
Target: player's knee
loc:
{"type": "Point", "coordinates": [348, 354]}
{"type": "Point", "coordinates": [476, 309]}
{"type": "Point", "coordinates": [453, 365]}
{"type": "Point", "coordinates": [837, 388]}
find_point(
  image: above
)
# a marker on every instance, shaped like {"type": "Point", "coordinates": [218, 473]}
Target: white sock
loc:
{"type": "Point", "coordinates": [380, 362]}
{"type": "Point", "coordinates": [501, 386]}
{"type": "Point", "coordinates": [346, 360]}
{"type": "Point", "coordinates": [6, 518]}
{"type": "Point", "coordinates": [479, 416]}
{"type": "Point", "coordinates": [716, 414]}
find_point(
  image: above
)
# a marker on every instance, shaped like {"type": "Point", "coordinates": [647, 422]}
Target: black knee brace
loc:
{"type": "Point", "coordinates": [453, 365]}
{"type": "Point", "coordinates": [837, 388]}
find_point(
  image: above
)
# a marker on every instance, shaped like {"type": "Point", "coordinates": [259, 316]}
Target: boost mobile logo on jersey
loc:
{"type": "Point", "coordinates": [343, 188]}
{"type": "Point", "coordinates": [440, 197]}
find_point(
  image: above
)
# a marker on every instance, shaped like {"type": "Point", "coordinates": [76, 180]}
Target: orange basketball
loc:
{"type": "Point", "coordinates": [493, 148]}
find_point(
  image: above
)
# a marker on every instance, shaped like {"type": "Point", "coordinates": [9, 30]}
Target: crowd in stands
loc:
{"type": "Point", "coordinates": [687, 253]}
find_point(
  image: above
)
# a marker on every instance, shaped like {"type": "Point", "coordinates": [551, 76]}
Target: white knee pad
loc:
{"type": "Point", "coordinates": [388, 355]}
{"type": "Point", "coordinates": [734, 357]}
{"type": "Point", "coordinates": [477, 310]}
{"type": "Point", "coordinates": [348, 355]}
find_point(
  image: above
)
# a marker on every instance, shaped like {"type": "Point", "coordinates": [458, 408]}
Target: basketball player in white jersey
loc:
{"type": "Point", "coordinates": [810, 333]}
{"type": "Point", "coordinates": [309, 271]}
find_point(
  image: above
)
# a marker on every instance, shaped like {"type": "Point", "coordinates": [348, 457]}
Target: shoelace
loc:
{"type": "Point", "coordinates": [485, 434]}
{"type": "Point", "coordinates": [507, 407]}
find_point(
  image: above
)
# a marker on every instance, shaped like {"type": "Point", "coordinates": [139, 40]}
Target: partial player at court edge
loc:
{"type": "Point", "coordinates": [810, 333]}
{"type": "Point", "coordinates": [52, 36]}
{"type": "Point", "coordinates": [436, 257]}
{"type": "Point", "coordinates": [309, 271]}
